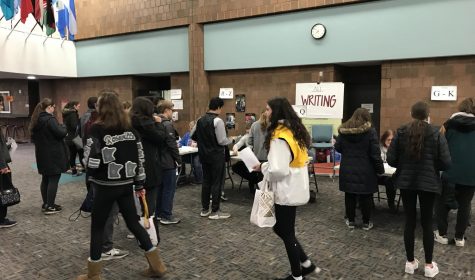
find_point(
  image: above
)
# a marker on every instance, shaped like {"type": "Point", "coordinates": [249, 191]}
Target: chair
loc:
{"type": "Point", "coordinates": [311, 172]}
{"type": "Point", "coordinates": [322, 136]}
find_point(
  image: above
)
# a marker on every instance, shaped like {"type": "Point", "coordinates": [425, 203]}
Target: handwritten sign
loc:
{"type": "Point", "coordinates": [323, 100]}
{"type": "Point", "coordinates": [226, 93]}
{"type": "Point", "coordinates": [444, 93]}
{"type": "Point", "coordinates": [175, 94]}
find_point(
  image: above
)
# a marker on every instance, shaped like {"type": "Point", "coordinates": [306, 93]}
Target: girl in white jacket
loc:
{"type": "Point", "coordinates": [286, 172]}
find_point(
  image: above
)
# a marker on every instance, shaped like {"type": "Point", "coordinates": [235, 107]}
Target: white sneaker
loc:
{"type": "Point", "coordinates": [440, 239]}
{"type": "Point", "coordinates": [218, 215]}
{"type": "Point", "coordinates": [431, 272]}
{"type": "Point", "coordinates": [459, 242]}
{"type": "Point", "coordinates": [130, 236]}
{"type": "Point", "coordinates": [114, 254]}
{"type": "Point", "coordinates": [412, 266]}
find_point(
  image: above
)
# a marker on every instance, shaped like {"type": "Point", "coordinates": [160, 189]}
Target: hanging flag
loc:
{"type": "Point", "coordinates": [48, 18]}
{"type": "Point", "coordinates": [8, 8]}
{"type": "Point", "coordinates": [66, 18]}
{"type": "Point", "coordinates": [62, 18]}
{"type": "Point", "coordinates": [26, 7]}
{"type": "Point", "coordinates": [72, 24]}
{"type": "Point", "coordinates": [39, 8]}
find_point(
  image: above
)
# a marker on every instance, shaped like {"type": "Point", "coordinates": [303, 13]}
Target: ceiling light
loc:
{"type": "Point", "coordinates": [31, 78]}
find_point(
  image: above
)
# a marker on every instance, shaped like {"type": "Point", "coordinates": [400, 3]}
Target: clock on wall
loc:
{"type": "Point", "coordinates": [318, 31]}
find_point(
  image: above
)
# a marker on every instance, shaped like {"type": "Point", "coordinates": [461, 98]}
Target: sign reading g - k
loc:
{"type": "Point", "coordinates": [444, 93]}
{"type": "Point", "coordinates": [323, 100]}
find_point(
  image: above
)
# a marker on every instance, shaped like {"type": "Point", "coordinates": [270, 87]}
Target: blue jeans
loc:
{"type": "Point", "coordinates": [166, 193]}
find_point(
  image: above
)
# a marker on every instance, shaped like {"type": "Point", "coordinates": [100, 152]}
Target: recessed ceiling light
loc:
{"type": "Point", "coordinates": [31, 78]}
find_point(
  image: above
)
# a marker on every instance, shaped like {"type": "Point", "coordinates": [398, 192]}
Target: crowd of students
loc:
{"type": "Point", "coordinates": [134, 151]}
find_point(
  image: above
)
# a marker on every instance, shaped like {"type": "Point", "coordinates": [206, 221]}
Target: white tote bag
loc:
{"type": "Point", "coordinates": [147, 223]}
{"type": "Point", "coordinates": [263, 212]}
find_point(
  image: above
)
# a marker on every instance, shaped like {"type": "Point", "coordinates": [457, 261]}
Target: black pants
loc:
{"type": "Point", "coordinates": [104, 198]}
{"type": "Point", "coordinates": [366, 203]}
{"type": "Point", "coordinates": [285, 229]}
{"type": "Point", "coordinates": [426, 203]}
{"type": "Point", "coordinates": [73, 151]}
{"type": "Point", "coordinates": [49, 188]}
{"type": "Point", "coordinates": [463, 196]}
{"type": "Point", "coordinates": [213, 181]}
{"type": "Point", "coordinates": [3, 213]}
{"type": "Point", "coordinates": [390, 188]}
{"type": "Point", "coordinates": [252, 177]}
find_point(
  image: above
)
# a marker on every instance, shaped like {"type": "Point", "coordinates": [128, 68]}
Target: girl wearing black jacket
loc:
{"type": "Point", "coordinates": [5, 159]}
{"type": "Point", "coordinates": [114, 156]}
{"type": "Point", "coordinates": [50, 151]}
{"type": "Point", "coordinates": [419, 153]}
{"type": "Point", "coordinates": [71, 121]}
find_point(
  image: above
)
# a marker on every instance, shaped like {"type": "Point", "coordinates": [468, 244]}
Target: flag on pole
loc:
{"type": "Point", "coordinates": [66, 18]}
{"type": "Point", "coordinates": [26, 7]}
{"type": "Point", "coordinates": [48, 18]}
{"type": "Point", "coordinates": [8, 8]}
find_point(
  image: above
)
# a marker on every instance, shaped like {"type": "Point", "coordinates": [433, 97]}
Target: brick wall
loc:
{"type": "Point", "coordinates": [104, 18]}
{"type": "Point", "coordinates": [405, 82]}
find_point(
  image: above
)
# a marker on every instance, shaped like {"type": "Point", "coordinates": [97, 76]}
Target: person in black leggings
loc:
{"type": "Point", "coordinates": [114, 159]}
{"type": "Point", "coordinates": [419, 152]}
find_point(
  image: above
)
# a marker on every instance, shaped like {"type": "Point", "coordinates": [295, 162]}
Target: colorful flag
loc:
{"type": "Point", "coordinates": [26, 7]}
{"type": "Point", "coordinates": [66, 18]}
{"type": "Point", "coordinates": [48, 18]}
{"type": "Point", "coordinates": [8, 8]}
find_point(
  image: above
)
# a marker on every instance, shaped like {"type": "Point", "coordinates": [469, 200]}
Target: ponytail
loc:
{"type": "Point", "coordinates": [41, 107]}
{"type": "Point", "coordinates": [419, 112]}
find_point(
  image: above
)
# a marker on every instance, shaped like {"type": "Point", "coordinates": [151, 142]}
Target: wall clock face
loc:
{"type": "Point", "coordinates": [318, 31]}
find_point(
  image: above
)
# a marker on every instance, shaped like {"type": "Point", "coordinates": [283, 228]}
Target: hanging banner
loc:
{"type": "Point", "coordinates": [322, 100]}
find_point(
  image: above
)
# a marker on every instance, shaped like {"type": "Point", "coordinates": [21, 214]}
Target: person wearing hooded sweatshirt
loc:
{"type": "Point", "coordinates": [419, 152]}
{"type": "Point", "coordinates": [50, 151]}
{"type": "Point", "coordinates": [71, 121]}
{"type": "Point", "coordinates": [460, 134]}
{"type": "Point", "coordinates": [360, 165]}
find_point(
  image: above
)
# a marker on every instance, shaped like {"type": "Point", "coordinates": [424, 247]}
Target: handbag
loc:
{"type": "Point", "coordinates": [147, 222]}
{"type": "Point", "coordinates": [9, 195]}
{"type": "Point", "coordinates": [77, 141]}
{"type": "Point", "coordinates": [263, 211]}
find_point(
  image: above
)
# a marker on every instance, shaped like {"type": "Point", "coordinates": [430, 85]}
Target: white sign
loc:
{"type": "Point", "coordinates": [444, 93]}
{"type": "Point", "coordinates": [177, 104]}
{"type": "Point", "coordinates": [368, 106]}
{"type": "Point", "coordinates": [323, 100]}
{"type": "Point", "coordinates": [175, 94]}
{"type": "Point", "coordinates": [226, 93]}
{"type": "Point", "coordinates": [300, 110]}
{"type": "Point", "coordinates": [175, 116]}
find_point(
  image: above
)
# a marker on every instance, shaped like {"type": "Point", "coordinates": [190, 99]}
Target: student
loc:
{"type": "Point", "coordinates": [71, 121]}
{"type": "Point", "coordinates": [460, 135]}
{"type": "Point", "coordinates": [114, 156]}
{"type": "Point", "coordinates": [5, 159]}
{"type": "Point", "coordinates": [419, 152]}
{"type": "Point", "coordinates": [360, 165]}
{"type": "Point", "coordinates": [387, 181]}
{"type": "Point", "coordinates": [50, 152]}
{"type": "Point", "coordinates": [193, 159]}
{"type": "Point", "coordinates": [287, 141]}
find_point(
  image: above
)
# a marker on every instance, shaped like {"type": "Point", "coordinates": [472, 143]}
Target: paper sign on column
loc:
{"type": "Point", "coordinates": [175, 94]}
{"type": "Point", "coordinates": [177, 104]}
{"type": "Point", "coordinates": [249, 158]}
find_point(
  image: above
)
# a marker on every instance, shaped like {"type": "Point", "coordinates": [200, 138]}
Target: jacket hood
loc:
{"type": "Point", "coordinates": [142, 122]}
{"type": "Point", "coordinates": [43, 119]}
{"type": "Point", "coordinates": [461, 122]}
{"type": "Point", "coordinates": [355, 130]}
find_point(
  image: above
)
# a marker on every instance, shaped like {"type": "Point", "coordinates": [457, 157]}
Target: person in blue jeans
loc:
{"type": "Point", "coordinates": [193, 159]}
{"type": "Point", "coordinates": [170, 159]}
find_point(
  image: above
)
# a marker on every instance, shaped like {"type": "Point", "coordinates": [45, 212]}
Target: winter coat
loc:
{"type": "Point", "coordinates": [50, 150]}
{"type": "Point", "coordinates": [5, 158]}
{"type": "Point", "coordinates": [71, 121]}
{"type": "Point", "coordinates": [361, 159]}
{"type": "Point", "coordinates": [460, 135]}
{"type": "Point", "coordinates": [422, 174]}
{"type": "Point", "coordinates": [169, 153]}
{"type": "Point", "coordinates": [153, 137]}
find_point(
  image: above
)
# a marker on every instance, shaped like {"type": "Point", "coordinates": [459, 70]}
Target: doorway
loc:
{"type": "Point", "coordinates": [362, 89]}
{"type": "Point", "coordinates": [33, 95]}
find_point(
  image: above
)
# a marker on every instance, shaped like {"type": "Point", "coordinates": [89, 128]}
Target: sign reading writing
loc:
{"type": "Point", "coordinates": [444, 93]}
{"type": "Point", "coordinates": [322, 101]}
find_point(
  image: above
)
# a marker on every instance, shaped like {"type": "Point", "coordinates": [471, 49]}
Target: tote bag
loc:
{"type": "Point", "coordinates": [147, 222]}
{"type": "Point", "coordinates": [263, 211]}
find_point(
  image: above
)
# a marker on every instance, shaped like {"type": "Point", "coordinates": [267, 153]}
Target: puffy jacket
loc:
{"type": "Point", "coordinates": [50, 150]}
{"type": "Point", "coordinates": [361, 159]}
{"type": "Point", "coordinates": [422, 174]}
{"type": "Point", "coordinates": [169, 153]}
{"type": "Point", "coordinates": [5, 158]}
{"type": "Point", "coordinates": [71, 121]}
{"type": "Point", "coordinates": [460, 135]}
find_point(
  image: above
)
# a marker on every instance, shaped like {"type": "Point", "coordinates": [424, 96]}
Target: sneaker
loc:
{"type": "Point", "coordinates": [171, 221]}
{"type": "Point", "coordinates": [114, 254]}
{"type": "Point", "coordinates": [205, 212]}
{"type": "Point", "coordinates": [312, 268]}
{"type": "Point", "coordinates": [7, 223]}
{"type": "Point", "coordinates": [459, 242]}
{"type": "Point", "coordinates": [43, 207]}
{"type": "Point", "coordinates": [130, 236]}
{"type": "Point", "coordinates": [351, 225]}
{"type": "Point", "coordinates": [50, 210]}
{"type": "Point", "coordinates": [290, 277]}
{"type": "Point", "coordinates": [368, 226]}
{"type": "Point", "coordinates": [440, 239]}
{"type": "Point", "coordinates": [224, 197]}
{"type": "Point", "coordinates": [431, 272]}
{"type": "Point", "coordinates": [218, 215]}
{"type": "Point", "coordinates": [412, 266]}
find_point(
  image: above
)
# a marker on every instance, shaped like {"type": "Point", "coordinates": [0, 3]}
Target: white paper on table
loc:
{"type": "Point", "coordinates": [249, 158]}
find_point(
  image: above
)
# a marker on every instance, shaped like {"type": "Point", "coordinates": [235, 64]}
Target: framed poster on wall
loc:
{"type": "Point", "coordinates": [5, 105]}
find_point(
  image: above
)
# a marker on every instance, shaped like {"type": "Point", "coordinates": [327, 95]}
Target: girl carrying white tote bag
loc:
{"type": "Point", "coordinates": [263, 212]}
{"type": "Point", "coordinates": [147, 222]}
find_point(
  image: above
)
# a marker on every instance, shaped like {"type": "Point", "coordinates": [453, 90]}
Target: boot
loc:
{"type": "Point", "coordinates": [93, 271]}
{"type": "Point", "coordinates": [156, 267]}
